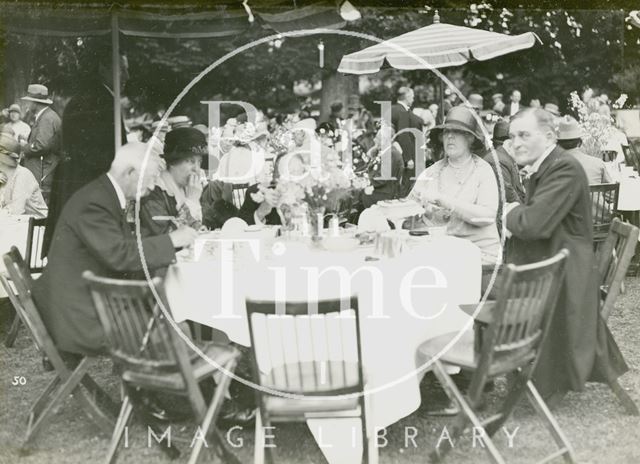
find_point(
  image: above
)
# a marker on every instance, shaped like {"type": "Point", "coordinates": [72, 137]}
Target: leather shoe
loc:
{"type": "Point", "coordinates": [236, 416]}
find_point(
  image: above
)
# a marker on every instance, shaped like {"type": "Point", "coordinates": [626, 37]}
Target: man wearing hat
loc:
{"type": "Point", "coordinates": [21, 129]}
{"type": "Point", "coordinates": [476, 102]}
{"type": "Point", "coordinates": [408, 128]}
{"type": "Point", "coordinates": [498, 104]}
{"type": "Point", "coordinates": [19, 190]}
{"type": "Point", "coordinates": [42, 148]}
{"type": "Point", "coordinates": [570, 138]}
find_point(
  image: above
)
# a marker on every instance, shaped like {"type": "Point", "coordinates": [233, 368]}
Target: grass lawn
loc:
{"type": "Point", "coordinates": [593, 421]}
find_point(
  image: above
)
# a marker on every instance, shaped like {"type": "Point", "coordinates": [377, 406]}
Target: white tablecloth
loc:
{"type": "Point", "coordinates": [13, 232]}
{"type": "Point", "coordinates": [629, 194]}
{"type": "Point", "coordinates": [394, 320]}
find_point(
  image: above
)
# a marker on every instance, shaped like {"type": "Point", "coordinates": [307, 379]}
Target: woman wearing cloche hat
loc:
{"type": "Point", "coordinates": [19, 190]}
{"type": "Point", "coordinates": [460, 191]}
{"type": "Point", "coordinates": [175, 199]}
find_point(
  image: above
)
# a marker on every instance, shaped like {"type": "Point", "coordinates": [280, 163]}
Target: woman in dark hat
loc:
{"type": "Point", "coordinates": [176, 196]}
{"type": "Point", "coordinates": [460, 191]}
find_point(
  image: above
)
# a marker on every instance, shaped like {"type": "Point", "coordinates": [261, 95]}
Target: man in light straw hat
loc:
{"type": "Point", "coordinates": [570, 138]}
{"type": "Point", "coordinates": [42, 149]}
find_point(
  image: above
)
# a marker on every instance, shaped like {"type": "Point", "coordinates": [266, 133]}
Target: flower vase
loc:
{"type": "Point", "coordinates": [316, 223]}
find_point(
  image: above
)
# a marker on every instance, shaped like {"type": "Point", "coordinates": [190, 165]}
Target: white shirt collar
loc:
{"type": "Point", "coordinates": [121, 198]}
{"type": "Point", "coordinates": [40, 113]}
{"type": "Point", "coordinates": [406, 107]}
{"type": "Point", "coordinates": [536, 165]}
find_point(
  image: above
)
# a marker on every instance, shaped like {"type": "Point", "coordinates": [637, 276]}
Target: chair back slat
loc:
{"type": "Point", "coordinates": [310, 349]}
{"type": "Point", "coordinates": [604, 200]}
{"type": "Point", "coordinates": [614, 257]}
{"type": "Point", "coordinates": [522, 311]}
{"type": "Point", "coordinates": [35, 240]}
{"type": "Point", "coordinates": [139, 336]}
{"type": "Point", "coordinates": [238, 193]}
{"type": "Point", "coordinates": [23, 301]}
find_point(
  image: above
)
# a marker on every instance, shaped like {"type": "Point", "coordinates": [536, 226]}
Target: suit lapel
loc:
{"type": "Point", "coordinates": [532, 182]}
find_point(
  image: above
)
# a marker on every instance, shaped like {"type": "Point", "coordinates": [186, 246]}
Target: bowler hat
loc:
{"type": "Point", "coordinates": [569, 129]}
{"type": "Point", "coordinates": [38, 93]}
{"type": "Point", "coordinates": [501, 130]}
{"type": "Point", "coordinates": [9, 150]}
{"type": "Point", "coordinates": [183, 143]}
{"type": "Point", "coordinates": [476, 101]}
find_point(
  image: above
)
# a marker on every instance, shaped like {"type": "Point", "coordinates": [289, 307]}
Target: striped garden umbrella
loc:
{"type": "Point", "coordinates": [436, 46]}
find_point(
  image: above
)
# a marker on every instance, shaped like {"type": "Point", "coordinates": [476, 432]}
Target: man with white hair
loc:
{"type": "Point", "coordinates": [556, 214]}
{"type": "Point", "coordinates": [92, 234]}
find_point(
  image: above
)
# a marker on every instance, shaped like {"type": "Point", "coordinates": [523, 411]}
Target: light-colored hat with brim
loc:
{"type": "Point", "coordinates": [569, 129]}
{"type": "Point", "coordinates": [307, 124]}
{"type": "Point", "coordinates": [552, 108]}
{"type": "Point", "coordinates": [178, 122]}
{"type": "Point", "coordinates": [38, 93]}
{"type": "Point", "coordinates": [9, 150]}
{"type": "Point", "coordinates": [241, 165]}
{"type": "Point", "coordinates": [15, 108]}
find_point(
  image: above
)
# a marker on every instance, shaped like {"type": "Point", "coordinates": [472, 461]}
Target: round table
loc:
{"type": "Point", "coordinates": [403, 301]}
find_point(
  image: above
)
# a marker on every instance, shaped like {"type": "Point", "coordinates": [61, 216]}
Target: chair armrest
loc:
{"type": "Point", "coordinates": [484, 315]}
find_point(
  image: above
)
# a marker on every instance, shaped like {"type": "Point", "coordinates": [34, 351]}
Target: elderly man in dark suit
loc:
{"type": "Point", "coordinates": [408, 128]}
{"type": "Point", "coordinates": [557, 214]}
{"type": "Point", "coordinates": [93, 234]}
{"type": "Point", "coordinates": [42, 149]}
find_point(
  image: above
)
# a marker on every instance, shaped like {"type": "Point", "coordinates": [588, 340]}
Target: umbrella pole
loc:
{"type": "Point", "coordinates": [115, 66]}
{"type": "Point", "coordinates": [441, 109]}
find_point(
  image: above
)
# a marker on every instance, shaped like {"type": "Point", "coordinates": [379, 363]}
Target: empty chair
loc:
{"type": "Point", "coordinates": [507, 342]}
{"type": "Point", "coordinates": [604, 198]}
{"type": "Point", "coordinates": [153, 357]}
{"type": "Point", "coordinates": [71, 376]}
{"type": "Point", "coordinates": [307, 360]}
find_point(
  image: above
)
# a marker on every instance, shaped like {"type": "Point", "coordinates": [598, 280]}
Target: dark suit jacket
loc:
{"type": "Point", "coordinates": [249, 207]}
{"type": "Point", "coordinates": [403, 119]}
{"type": "Point", "coordinates": [88, 147]}
{"type": "Point", "coordinates": [44, 142]}
{"type": "Point", "coordinates": [556, 215]}
{"type": "Point", "coordinates": [92, 234]}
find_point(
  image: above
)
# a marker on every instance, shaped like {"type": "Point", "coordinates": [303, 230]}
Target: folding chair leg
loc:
{"type": "Point", "coordinates": [210, 419]}
{"type": "Point", "coordinates": [258, 448]}
{"type": "Point", "coordinates": [13, 331]}
{"type": "Point", "coordinates": [118, 431]}
{"type": "Point", "coordinates": [517, 389]}
{"type": "Point", "coordinates": [103, 419]}
{"type": "Point", "coordinates": [550, 422]}
{"type": "Point", "coordinates": [70, 384]}
{"type": "Point", "coordinates": [466, 414]}
{"type": "Point", "coordinates": [99, 395]}
{"type": "Point", "coordinates": [627, 403]}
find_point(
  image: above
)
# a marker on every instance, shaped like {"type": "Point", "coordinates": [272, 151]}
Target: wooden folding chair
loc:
{"type": "Point", "coordinates": [604, 200]}
{"type": "Point", "coordinates": [36, 263]}
{"type": "Point", "coordinates": [614, 257]}
{"type": "Point", "coordinates": [518, 322]}
{"type": "Point", "coordinates": [311, 355]}
{"type": "Point", "coordinates": [68, 380]}
{"type": "Point", "coordinates": [238, 193]}
{"type": "Point", "coordinates": [153, 357]}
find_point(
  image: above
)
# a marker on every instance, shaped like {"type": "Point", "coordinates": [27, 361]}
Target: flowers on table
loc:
{"type": "Point", "coordinates": [596, 127]}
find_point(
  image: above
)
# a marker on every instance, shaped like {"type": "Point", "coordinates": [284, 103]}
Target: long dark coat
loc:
{"type": "Point", "coordinates": [556, 215]}
{"type": "Point", "coordinates": [92, 234]}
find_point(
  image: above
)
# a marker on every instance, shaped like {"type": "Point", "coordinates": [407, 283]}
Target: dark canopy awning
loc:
{"type": "Point", "coordinates": [181, 21]}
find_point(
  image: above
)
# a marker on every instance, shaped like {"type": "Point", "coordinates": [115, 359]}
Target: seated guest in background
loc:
{"type": "Point", "coordinates": [19, 190]}
{"type": "Point", "coordinates": [506, 167]}
{"type": "Point", "coordinates": [570, 138]}
{"type": "Point", "coordinates": [384, 189]}
{"type": "Point", "coordinates": [178, 188]}
{"type": "Point", "coordinates": [21, 129]}
{"type": "Point", "coordinates": [460, 191]}
{"type": "Point", "coordinates": [93, 234]}
{"type": "Point", "coordinates": [556, 215]}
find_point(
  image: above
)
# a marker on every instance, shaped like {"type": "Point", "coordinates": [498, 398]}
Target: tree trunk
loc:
{"type": "Point", "coordinates": [16, 72]}
{"type": "Point", "coordinates": [336, 87]}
